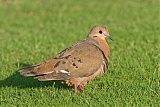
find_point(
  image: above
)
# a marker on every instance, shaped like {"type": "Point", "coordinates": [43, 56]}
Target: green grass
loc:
{"type": "Point", "coordinates": [33, 31]}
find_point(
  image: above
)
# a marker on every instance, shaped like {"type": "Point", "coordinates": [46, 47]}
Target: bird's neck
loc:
{"type": "Point", "coordinates": [103, 45]}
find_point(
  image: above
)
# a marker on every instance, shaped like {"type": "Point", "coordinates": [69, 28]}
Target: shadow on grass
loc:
{"type": "Point", "coordinates": [16, 80]}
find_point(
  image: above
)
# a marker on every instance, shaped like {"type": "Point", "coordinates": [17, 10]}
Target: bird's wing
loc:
{"type": "Point", "coordinates": [80, 60]}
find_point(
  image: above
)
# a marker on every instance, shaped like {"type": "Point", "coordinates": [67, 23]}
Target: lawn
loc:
{"type": "Point", "coordinates": [32, 31]}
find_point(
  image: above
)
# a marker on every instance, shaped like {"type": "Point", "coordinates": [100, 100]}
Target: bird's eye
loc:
{"type": "Point", "coordinates": [100, 32]}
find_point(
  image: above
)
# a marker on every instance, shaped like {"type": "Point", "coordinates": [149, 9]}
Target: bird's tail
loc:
{"type": "Point", "coordinates": [29, 71]}
{"type": "Point", "coordinates": [45, 77]}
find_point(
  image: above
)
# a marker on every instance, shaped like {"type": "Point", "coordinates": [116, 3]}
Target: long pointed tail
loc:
{"type": "Point", "coordinates": [27, 72]}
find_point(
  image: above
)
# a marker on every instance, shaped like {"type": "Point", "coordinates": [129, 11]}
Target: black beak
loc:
{"type": "Point", "coordinates": [108, 36]}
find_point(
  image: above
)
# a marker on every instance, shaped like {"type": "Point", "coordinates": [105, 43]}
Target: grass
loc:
{"type": "Point", "coordinates": [33, 31]}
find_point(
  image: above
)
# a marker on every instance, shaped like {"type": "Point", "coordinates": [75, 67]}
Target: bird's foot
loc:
{"type": "Point", "coordinates": [76, 90]}
{"type": "Point", "coordinates": [81, 88]}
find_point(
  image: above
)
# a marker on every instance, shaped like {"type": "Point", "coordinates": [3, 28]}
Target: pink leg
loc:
{"type": "Point", "coordinates": [81, 88]}
{"type": "Point", "coordinates": [75, 89]}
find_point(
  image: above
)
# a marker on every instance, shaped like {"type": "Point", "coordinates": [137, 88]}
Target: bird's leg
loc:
{"type": "Point", "coordinates": [81, 88]}
{"type": "Point", "coordinates": [75, 88]}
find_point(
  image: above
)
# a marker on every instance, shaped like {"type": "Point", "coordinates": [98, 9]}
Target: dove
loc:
{"type": "Point", "coordinates": [78, 64]}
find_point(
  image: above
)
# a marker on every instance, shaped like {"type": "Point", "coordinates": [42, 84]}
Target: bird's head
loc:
{"type": "Point", "coordinates": [99, 32]}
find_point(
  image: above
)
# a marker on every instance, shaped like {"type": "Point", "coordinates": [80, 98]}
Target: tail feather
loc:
{"type": "Point", "coordinates": [27, 72]}
{"type": "Point", "coordinates": [53, 76]}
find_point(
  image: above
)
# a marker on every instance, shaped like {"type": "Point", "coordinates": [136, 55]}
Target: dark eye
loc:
{"type": "Point", "coordinates": [100, 32]}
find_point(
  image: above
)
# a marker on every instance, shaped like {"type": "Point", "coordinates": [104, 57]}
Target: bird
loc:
{"type": "Point", "coordinates": [78, 64]}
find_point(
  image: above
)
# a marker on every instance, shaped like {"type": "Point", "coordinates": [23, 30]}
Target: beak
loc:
{"type": "Point", "coordinates": [108, 36]}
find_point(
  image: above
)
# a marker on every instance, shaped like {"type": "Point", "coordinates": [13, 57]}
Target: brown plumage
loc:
{"type": "Point", "coordinates": [78, 64]}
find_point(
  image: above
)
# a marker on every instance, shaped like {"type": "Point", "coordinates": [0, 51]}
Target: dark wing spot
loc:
{"type": "Point", "coordinates": [74, 64]}
{"type": "Point", "coordinates": [56, 65]}
{"type": "Point", "coordinates": [79, 60]}
{"type": "Point", "coordinates": [67, 56]}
